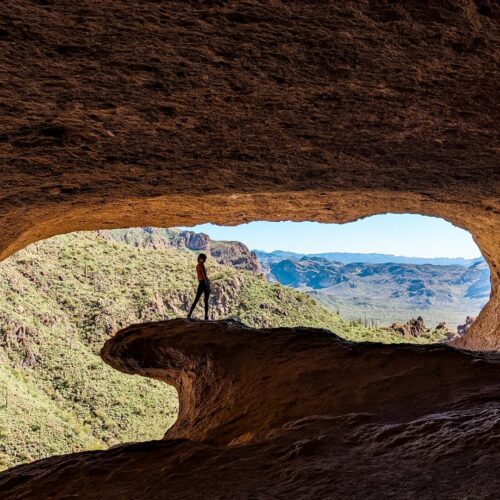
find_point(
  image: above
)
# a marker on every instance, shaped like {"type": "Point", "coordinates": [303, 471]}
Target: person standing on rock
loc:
{"type": "Point", "coordinates": [203, 285]}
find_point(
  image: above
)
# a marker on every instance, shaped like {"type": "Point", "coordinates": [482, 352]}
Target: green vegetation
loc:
{"type": "Point", "coordinates": [62, 298]}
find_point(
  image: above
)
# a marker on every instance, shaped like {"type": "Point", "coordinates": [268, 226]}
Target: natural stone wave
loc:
{"type": "Point", "coordinates": [271, 413]}
{"type": "Point", "coordinates": [236, 382]}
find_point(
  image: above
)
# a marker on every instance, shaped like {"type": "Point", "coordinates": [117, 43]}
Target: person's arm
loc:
{"type": "Point", "coordinates": [205, 274]}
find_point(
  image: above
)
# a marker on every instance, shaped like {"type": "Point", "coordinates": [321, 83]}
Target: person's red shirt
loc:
{"type": "Point", "coordinates": [200, 272]}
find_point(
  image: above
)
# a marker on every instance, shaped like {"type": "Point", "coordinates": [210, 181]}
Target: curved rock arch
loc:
{"type": "Point", "coordinates": [119, 114]}
{"type": "Point", "coordinates": [320, 206]}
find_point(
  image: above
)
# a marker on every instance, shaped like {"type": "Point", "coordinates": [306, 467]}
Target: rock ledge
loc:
{"type": "Point", "coordinates": [292, 412]}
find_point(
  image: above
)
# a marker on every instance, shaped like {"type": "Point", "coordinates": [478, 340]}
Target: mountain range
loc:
{"type": "Point", "coordinates": [366, 258]}
{"type": "Point", "coordinates": [387, 291]}
{"type": "Point", "coordinates": [375, 288]}
{"type": "Point", "coordinates": [372, 287]}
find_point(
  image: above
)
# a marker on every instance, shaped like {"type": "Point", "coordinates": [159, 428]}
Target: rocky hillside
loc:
{"type": "Point", "coordinates": [386, 292]}
{"type": "Point", "coordinates": [229, 253]}
{"type": "Point", "coordinates": [60, 299]}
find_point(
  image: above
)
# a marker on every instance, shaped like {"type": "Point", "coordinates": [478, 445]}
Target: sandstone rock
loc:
{"type": "Point", "coordinates": [236, 254]}
{"type": "Point", "coordinates": [452, 336]}
{"type": "Point", "coordinates": [199, 242]}
{"type": "Point", "coordinates": [293, 413]}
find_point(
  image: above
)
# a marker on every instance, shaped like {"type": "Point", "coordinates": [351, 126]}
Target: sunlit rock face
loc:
{"type": "Point", "coordinates": [292, 412]}
{"type": "Point", "coordinates": [120, 114]}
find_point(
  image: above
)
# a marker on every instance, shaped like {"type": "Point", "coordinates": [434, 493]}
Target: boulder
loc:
{"type": "Point", "coordinates": [412, 328]}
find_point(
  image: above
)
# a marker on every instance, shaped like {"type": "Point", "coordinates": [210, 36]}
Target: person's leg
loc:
{"type": "Point", "coordinates": [197, 298]}
{"type": "Point", "coordinates": [207, 294]}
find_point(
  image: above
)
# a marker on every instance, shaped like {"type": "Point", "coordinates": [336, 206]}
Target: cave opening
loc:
{"type": "Point", "coordinates": [64, 296]}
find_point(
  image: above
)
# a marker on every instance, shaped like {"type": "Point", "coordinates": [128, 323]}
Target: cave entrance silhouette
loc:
{"type": "Point", "coordinates": [65, 296]}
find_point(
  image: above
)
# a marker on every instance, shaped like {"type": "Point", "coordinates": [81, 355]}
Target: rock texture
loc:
{"type": "Point", "coordinates": [463, 329]}
{"type": "Point", "coordinates": [412, 328]}
{"type": "Point", "coordinates": [228, 253]}
{"type": "Point", "coordinates": [129, 113]}
{"type": "Point", "coordinates": [292, 412]}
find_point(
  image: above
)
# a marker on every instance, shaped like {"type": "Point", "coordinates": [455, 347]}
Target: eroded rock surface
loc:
{"type": "Point", "coordinates": [292, 412]}
{"type": "Point", "coordinates": [129, 113]}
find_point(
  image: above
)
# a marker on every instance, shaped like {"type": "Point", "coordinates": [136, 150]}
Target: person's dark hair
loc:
{"type": "Point", "coordinates": [203, 257]}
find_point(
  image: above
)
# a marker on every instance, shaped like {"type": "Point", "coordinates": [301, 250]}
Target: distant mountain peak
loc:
{"type": "Point", "coordinates": [373, 258]}
{"type": "Point", "coordinates": [441, 289]}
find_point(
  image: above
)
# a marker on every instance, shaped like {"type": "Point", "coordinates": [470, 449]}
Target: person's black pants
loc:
{"type": "Point", "coordinates": [203, 288]}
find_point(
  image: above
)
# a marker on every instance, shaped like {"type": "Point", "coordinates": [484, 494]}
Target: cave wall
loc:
{"type": "Point", "coordinates": [120, 114]}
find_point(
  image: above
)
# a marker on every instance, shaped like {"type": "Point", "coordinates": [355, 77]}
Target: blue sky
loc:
{"type": "Point", "coordinates": [410, 235]}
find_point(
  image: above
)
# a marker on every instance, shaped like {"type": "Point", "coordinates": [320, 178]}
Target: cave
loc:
{"type": "Point", "coordinates": [120, 114]}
